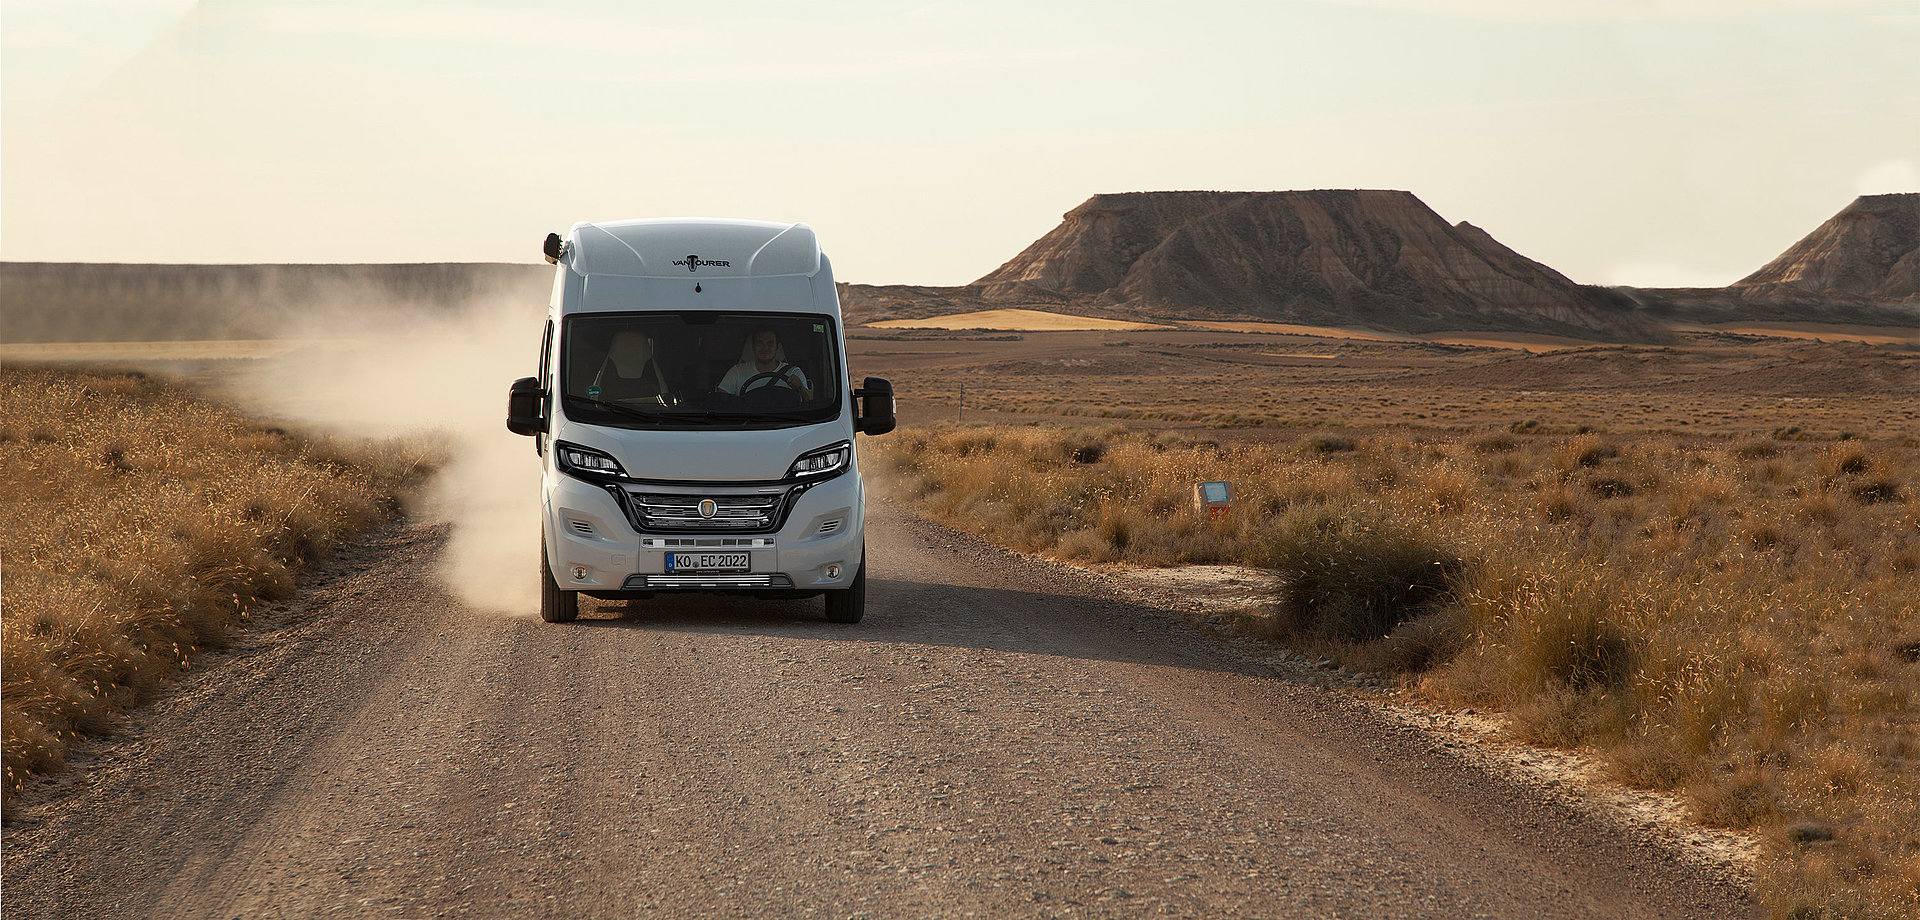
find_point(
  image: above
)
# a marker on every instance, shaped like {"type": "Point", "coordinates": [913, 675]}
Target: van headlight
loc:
{"type": "Point", "coordinates": [585, 461]}
{"type": "Point", "coordinates": [819, 464]}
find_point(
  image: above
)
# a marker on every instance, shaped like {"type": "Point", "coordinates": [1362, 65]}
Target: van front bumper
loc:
{"type": "Point", "coordinates": [596, 548]}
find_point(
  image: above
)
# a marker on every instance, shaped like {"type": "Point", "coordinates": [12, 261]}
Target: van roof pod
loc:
{"type": "Point", "coordinates": [693, 247]}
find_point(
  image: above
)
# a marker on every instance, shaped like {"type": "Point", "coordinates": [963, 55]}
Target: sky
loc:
{"type": "Point", "coordinates": [1646, 142]}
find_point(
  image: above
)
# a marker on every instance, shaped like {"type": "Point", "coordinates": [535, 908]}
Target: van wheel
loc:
{"type": "Point", "coordinates": [556, 606]}
{"type": "Point", "coordinates": [848, 605]}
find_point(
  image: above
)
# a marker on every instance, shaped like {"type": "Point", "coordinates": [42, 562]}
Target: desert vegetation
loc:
{"type": "Point", "coordinates": [141, 523]}
{"type": "Point", "coordinates": [1733, 619]}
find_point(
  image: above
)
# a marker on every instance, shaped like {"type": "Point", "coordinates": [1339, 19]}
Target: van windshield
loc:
{"type": "Point", "coordinates": [700, 369]}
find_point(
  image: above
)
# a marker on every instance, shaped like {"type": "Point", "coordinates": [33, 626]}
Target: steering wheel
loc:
{"type": "Point", "coordinates": [777, 376]}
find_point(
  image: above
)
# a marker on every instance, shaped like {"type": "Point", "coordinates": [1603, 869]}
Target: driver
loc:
{"type": "Point", "coordinates": [765, 369]}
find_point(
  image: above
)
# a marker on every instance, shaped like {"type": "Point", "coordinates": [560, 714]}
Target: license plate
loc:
{"type": "Point", "coordinates": [706, 562]}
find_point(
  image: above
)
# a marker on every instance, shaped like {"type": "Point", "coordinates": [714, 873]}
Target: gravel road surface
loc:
{"type": "Point", "coordinates": [999, 738]}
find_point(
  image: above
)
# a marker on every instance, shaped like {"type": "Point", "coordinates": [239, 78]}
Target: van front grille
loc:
{"type": "Point", "coordinates": [743, 513]}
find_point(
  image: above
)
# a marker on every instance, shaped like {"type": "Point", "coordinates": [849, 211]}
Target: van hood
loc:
{"type": "Point", "coordinates": [707, 455]}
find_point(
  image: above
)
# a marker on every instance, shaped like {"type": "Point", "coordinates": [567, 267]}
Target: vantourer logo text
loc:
{"type": "Point", "coordinates": [693, 263]}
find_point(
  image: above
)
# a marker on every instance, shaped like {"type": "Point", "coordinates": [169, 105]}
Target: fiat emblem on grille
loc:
{"type": "Point", "coordinates": [707, 507]}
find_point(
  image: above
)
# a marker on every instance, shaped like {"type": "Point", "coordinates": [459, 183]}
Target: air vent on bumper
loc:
{"type": "Point", "coordinates": [698, 582]}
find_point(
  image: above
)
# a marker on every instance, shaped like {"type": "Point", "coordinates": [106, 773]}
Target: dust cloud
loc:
{"type": "Point", "coordinates": [396, 370]}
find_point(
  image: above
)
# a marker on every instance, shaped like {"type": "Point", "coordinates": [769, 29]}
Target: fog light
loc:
{"type": "Point", "coordinates": [579, 573]}
{"type": "Point", "coordinates": [833, 570]}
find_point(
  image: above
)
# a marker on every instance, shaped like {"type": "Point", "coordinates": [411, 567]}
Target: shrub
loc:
{"type": "Point", "coordinates": [1610, 486]}
{"type": "Point", "coordinates": [1879, 490]}
{"type": "Point", "coordinates": [1847, 462]}
{"type": "Point", "coordinates": [1584, 651]}
{"type": "Point", "coordinates": [1355, 581]}
{"type": "Point", "coordinates": [1418, 645]}
{"type": "Point", "coordinates": [1584, 451]}
{"type": "Point", "coordinates": [1327, 444]}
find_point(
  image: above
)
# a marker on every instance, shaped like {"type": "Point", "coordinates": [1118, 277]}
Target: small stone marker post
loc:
{"type": "Point", "coordinates": [1212, 501]}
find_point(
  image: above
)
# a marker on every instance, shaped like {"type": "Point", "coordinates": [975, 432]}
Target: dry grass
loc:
{"type": "Point", "coordinates": [140, 523]}
{"type": "Point", "coordinates": [1737, 622]}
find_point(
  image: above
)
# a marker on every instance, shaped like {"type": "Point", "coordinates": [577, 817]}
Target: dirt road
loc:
{"type": "Point", "coordinates": [997, 739]}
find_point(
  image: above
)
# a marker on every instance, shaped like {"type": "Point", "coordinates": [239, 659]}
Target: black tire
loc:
{"type": "Point", "coordinates": [556, 606]}
{"type": "Point", "coordinates": [849, 604]}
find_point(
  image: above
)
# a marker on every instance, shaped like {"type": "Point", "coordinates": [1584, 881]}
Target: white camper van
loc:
{"type": "Point", "coordinates": [694, 417]}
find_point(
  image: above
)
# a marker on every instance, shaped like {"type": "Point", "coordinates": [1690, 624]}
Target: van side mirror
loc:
{"type": "Point", "coordinates": [553, 248]}
{"type": "Point", "coordinates": [525, 404]}
{"type": "Point", "coordinates": [876, 406]}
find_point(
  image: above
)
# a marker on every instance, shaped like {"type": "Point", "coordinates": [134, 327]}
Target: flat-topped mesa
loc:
{"type": "Point", "coordinates": [1870, 249]}
{"type": "Point", "coordinates": [1372, 256]}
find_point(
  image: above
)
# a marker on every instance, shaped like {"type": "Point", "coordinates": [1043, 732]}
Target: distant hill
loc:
{"type": "Point", "coordinates": [97, 302]}
{"type": "Point", "coordinates": [1870, 249]}
{"type": "Point", "coordinates": [1862, 266]}
{"type": "Point", "coordinates": [1371, 257]}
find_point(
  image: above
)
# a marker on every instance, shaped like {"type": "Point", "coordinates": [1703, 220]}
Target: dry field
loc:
{"type": "Point", "coordinates": [1699, 560]}
{"type": "Point", "coordinates": [1826, 332]}
{"type": "Point", "coordinates": [1255, 386]}
{"type": "Point", "coordinates": [140, 523]}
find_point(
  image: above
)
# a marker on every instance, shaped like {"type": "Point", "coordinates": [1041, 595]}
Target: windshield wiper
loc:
{"type": "Point", "coordinates": [713, 415]}
{"type": "Point", "coordinates": [628, 411]}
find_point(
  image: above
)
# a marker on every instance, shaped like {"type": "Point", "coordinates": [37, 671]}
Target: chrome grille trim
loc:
{"type": "Point", "coordinates": [706, 542]}
{"type": "Point", "coordinates": [675, 509]}
{"type": "Point", "coordinates": [682, 512]}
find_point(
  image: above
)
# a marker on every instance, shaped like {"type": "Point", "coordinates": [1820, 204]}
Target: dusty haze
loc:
{"type": "Point", "coordinates": [407, 370]}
